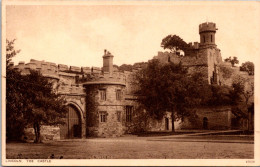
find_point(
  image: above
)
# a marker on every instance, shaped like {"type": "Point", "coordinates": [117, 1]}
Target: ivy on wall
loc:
{"type": "Point", "coordinates": [226, 72]}
{"type": "Point", "coordinates": [91, 106]}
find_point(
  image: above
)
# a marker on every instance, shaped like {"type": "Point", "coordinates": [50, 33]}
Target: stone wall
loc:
{"type": "Point", "coordinates": [218, 118]}
{"type": "Point", "coordinates": [204, 60]}
{"type": "Point", "coordinates": [142, 121]}
{"type": "Point", "coordinates": [113, 125]}
{"type": "Point", "coordinates": [160, 125]}
{"type": "Point", "coordinates": [47, 133]}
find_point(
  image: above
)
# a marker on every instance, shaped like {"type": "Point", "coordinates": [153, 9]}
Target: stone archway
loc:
{"type": "Point", "coordinates": [73, 124]}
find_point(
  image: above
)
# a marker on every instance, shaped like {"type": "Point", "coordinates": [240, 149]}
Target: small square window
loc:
{"type": "Point", "coordinates": [103, 116]}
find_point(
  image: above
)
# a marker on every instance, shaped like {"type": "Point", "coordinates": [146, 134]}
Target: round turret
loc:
{"type": "Point", "coordinates": [207, 33]}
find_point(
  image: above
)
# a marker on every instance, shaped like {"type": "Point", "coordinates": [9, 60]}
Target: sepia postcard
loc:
{"type": "Point", "coordinates": [130, 83]}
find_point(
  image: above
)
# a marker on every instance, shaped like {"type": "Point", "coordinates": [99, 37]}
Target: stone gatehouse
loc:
{"type": "Point", "coordinates": [117, 111]}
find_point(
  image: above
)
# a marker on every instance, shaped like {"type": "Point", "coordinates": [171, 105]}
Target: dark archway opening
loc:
{"type": "Point", "coordinates": [205, 123]}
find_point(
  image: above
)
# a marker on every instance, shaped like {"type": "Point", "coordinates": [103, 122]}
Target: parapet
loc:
{"type": "Point", "coordinates": [52, 70]}
{"type": "Point", "coordinates": [194, 45]}
{"type": "Point", "coordinates": [96, 70]}
{"type": "Point", "coordinates": [208, 26]}
{"type": "Point", "coordinates": [63, 67]}
{"type": "Point", "coordinates": [86, 70]}
{"type": "Point", "coordinates": [106, 78]}
{"type": "Point", "coordinates": [75, 69]}
{"type": "Point", "coordinates": [46, 68]}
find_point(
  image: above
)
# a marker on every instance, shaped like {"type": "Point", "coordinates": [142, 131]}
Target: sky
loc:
{"type": "Point", "coordinates": [78, 34]}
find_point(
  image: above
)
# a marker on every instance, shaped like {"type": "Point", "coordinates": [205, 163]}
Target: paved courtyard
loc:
{"type": "Point", "coordinates": [132, 147]}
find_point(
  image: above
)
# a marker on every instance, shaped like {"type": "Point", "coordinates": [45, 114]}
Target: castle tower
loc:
{"type": "Point", "coordinates": [209, 52]}
{"type": "Point", "coordinates": [207, 34]}
{"type": "Point", "coordinates": [107, 62]}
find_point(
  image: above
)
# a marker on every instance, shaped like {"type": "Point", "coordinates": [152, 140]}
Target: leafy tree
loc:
{"type": "Point", "coordinates": [125, 67]}
{"type": "Point", "coordinates": [220, 95]}
{"type": "Point", "coordinates": [30, 100]}
{"type": "Point", "coordinates": [129, 67]}
{"type": "Point", "coordinates": [233, 60]}
{"type": "Point", "coordinates": [10, 51]}
{"type": "Point", "coordinates": [225, 71]}
{"type": "Point", "coordinates": [140, 65]}
{"type": "Point", "coordinates": [14, 105]}
{"type": "Point", "coordinates": [248, 67]}
{"type": "Point", "coordinates": [45, 107]}
{"type": "Point", "coordinates": [168, 87]}
{"type": "Point", "coordinates": [242, 97]}
{"type": "Point", "coordinates": [174, 43]}
{"type": "Point", "coordinates": [15, 123]}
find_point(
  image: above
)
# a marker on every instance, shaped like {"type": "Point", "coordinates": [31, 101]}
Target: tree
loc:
{"type": "Point", "coordinates": [233, 60]}
{"type": "Point", "coordinates": [220, 95]}
{"type": "Point", "coordinates": [15, 123]}
{"type": "Point", "coordinates": [248, 67]}
{"type": "Point", "coordinates": [174, 43]}
{"type": "Point", "coordinates": [129, 67]}
{"type": "Point", "coordinates": [14, 100]}
{"type": "Point", "coordinates": [242, 97]}
{"type": "Point", "coordinates": [168, 87]}
{"type": "Point", "coordinates": [31, 100]}
{"type": "Point", "coordinates": [45, 107]}
{"type": "Point", "coordinates": [10, 51]}
{"type": "Point", "coordinates": [125, 67]}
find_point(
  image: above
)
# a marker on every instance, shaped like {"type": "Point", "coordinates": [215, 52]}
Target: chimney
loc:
{"type": "Point", "coordinates": [107, 62]}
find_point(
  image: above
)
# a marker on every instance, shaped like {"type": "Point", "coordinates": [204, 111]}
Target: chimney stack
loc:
{"type": "Point", "coordinates": [107, 62]}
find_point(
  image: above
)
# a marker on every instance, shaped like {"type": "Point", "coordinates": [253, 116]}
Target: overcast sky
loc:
{"type": "Point", "coordinates": [78, 35]}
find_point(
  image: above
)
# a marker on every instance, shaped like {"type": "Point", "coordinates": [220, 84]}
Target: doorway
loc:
{"type": "Point", "coordinates": [72, 127]}
{"type": "Point", "coordinates": [205, 123]}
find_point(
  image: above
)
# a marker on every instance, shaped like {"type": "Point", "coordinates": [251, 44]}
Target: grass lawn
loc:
{"type": "Point", "coordinates": [131, 148]}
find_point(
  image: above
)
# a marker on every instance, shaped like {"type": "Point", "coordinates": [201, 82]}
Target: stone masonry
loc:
{"type": "Point", "coordinates": [116, 109]}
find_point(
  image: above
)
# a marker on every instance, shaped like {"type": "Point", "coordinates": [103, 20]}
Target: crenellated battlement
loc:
{"type": "Point", "coordinates": [194, 45]}
{"type": "Point", "coordinates": [107, 78]}
{"type": "Point", "coordinates": [46, 68]}
{"type": "Point", "coordinates": [206, 27]}
{"type": "Point", "coordinates": [52, 70]}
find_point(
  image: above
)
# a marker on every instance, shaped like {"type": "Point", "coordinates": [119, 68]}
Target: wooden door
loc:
{"type": "Point", "coordinates": [72, 127]}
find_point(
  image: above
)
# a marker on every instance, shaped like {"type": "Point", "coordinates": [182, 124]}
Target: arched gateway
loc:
{"type": "Point", "coordinates": [73, 124]}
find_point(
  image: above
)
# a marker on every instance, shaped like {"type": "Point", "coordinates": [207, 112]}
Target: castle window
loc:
{"type": "Point", "coordinates": [103, 95]}
{"type": "Point", "coordinates": [103, 116]}
{"type": "Point", "coordinates": [118, 113]}
{"type": "Point", "coordinates": [204, 38]}
{"type": "Point", "coordinates": [211, 38]}
{"type": "Point", "coordinates": [118, 95]}
{"type": "Point", "coordinates": [129, 112]}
